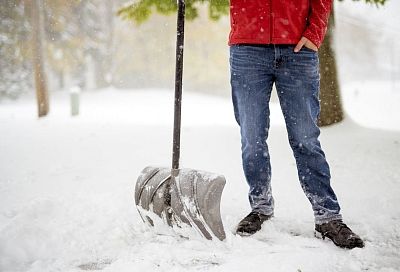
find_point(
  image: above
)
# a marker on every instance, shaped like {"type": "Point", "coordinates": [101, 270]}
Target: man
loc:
{"type": "Point", "coordinates": [274, 41]}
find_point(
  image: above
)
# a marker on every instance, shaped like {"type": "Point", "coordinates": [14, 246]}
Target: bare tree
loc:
{"type": "Point", "coordinates": [331, 105]}
{"type": "Point", "coordinates": [37, 57]}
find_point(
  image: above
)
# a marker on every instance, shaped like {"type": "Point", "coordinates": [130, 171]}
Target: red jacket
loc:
{"type": "Point", "coordinates": [278, 21]}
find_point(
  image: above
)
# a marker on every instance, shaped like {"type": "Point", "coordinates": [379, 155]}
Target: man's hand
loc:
{"type": "Point", "coordinates": [307, 43]}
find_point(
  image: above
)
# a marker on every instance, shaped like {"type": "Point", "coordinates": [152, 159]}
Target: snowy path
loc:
{"type": "Point", "coordinates": [66, 188]}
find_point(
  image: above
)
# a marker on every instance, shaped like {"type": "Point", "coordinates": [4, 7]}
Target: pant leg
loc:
{"type": "Point", "coordinates": [297, 83]}
{"type": "Point", "coordinates": [251, 82]}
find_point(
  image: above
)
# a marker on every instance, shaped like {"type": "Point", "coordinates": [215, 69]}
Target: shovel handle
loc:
{"type": "Point", "coordinates": [178, 83]}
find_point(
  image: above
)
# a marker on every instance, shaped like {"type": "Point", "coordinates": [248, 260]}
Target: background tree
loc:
{"type": "Point", "coordinates": [14, 44]}
{"type": "Point", "coordinates": [70, 41]}
{"type": "Point", "coordinates": [331, 106]}
{"type": "Point", "coordinates": [79, 36]}
{"type": "Point", "coordinates": [42, 95]}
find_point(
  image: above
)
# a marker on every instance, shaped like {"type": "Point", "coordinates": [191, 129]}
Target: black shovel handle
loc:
{"type": "Point", "coordinates": [178, 83]}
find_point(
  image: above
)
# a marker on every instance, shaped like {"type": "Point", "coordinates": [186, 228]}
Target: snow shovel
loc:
{"type": "Point", "coordinates": [181, 196]}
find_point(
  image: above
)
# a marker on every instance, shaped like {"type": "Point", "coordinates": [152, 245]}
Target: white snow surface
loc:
{"type": "Point", "coordinates": [66, 187]}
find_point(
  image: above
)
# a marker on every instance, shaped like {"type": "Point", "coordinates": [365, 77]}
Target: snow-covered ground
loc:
{"type": "Point", "coordinates": [373, 104]}
{"type": "Point", "coordinates": [66, 187]}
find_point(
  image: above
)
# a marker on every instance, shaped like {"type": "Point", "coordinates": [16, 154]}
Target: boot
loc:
{"type": "Point", "coordinates": [340, 234]}
{"type": "Point", "coordinates": [251, 223]}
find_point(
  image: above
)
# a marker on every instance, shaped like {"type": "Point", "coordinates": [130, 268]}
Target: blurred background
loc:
{"type": "Point", "coordinates": [85, 43]}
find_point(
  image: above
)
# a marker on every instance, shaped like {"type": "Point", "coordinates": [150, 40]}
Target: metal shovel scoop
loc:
{"type": "Point", "coordinates": [181, 196]}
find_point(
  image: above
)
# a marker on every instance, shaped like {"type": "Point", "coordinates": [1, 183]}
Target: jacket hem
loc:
{"type": "Point", "coordinates": [258, 41]}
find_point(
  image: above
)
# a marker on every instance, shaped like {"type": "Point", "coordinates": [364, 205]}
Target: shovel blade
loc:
{"type": "Point", "coordinates": [195, 198]}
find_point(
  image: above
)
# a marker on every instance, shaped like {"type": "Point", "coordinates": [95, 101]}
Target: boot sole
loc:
{"type": "Point", "coordinates": [318, 235]}
{"type": "Point", "coordinates": [244, 234]}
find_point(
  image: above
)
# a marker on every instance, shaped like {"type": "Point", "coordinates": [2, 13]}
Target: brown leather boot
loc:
{"type": "Point", "coordinates": [340, 234]}
{"type": "Point", "coordinates": [251, 223]}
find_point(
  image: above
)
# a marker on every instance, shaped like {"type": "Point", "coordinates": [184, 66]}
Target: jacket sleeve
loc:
{"type": "Point", "coordinates": [318, 21]}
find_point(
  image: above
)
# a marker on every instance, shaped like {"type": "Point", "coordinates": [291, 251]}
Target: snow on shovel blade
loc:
{"type": "Point", "coordinates": [195, 198]}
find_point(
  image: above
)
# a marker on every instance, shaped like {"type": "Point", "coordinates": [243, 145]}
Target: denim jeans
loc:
{"type": "Point", "coordinates": [254, 69]}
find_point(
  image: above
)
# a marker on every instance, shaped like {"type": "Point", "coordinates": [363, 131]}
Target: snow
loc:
{"type": "Point", "coordinates": [373, 103]}
{"type": "Point", "coordinates": [66, 186]}
{"type": "Point", "coordinates": [366, 39]}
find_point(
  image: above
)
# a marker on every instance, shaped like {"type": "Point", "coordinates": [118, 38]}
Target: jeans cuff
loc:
{"type": "Point", "coordinates": [327, 218]}
{"type": "Point", "coordinates": [269, 212]}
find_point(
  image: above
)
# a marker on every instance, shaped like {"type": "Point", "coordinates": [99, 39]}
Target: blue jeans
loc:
{"type": "Point", "coordinates": [254, 69]}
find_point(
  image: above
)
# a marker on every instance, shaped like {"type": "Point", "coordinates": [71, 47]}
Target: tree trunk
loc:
{"type": "Point", "coordinates": [37, 56]}
{"type": "Point", "coordinates": [331, 106]}
{"type": "Point", "coordinates": [110, 43]}
{"type": "Point", "coordinates": [61, 83]}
